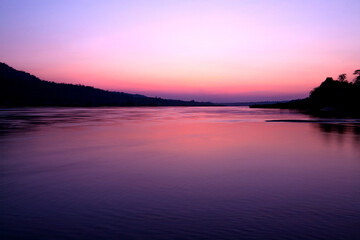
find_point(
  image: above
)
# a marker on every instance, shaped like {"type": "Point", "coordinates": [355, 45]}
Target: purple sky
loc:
{"type": "Point", "coordinates": [223, 51]}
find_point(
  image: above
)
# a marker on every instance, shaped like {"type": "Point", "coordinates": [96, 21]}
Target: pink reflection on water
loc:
{"type": "Point", "coordinates": [126, 165]}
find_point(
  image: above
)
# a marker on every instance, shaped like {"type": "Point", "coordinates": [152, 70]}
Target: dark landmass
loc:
{"type": "Point", "coordinates": [331, 98]}
{"type": "Point", "coordinates": [316, 121]}
{"type": "Point", "coordinates": [19, 88]}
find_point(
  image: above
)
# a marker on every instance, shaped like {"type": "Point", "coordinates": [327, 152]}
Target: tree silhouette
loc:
{"type": "Point", "coordinates": [19, 88]}
{"type": "Point", "coordinates": [332, 98]}
{"type": "Point", "coordinates": [342, 77]}
{"type": "Point", "coordinates": [357, 78]}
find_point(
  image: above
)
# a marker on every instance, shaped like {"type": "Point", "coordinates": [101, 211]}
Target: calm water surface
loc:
{"type": "Point", "coordinates": [177, 173]}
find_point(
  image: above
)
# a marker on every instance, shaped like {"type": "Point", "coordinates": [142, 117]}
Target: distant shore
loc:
{"type": "Point", "coordinates": [333, 98]}
{"type": "Point", "coordinates": [21, 89]}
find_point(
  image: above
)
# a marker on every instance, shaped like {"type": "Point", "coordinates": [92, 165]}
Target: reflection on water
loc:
{"type": "Point", "coordinates": [339, 128]}
{"type": "Point", "coordinates": [177, 173]}
{"type": "Point", "coordinates": [340, 133]}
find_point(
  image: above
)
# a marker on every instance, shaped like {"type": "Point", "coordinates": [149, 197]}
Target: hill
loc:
{"type": "Point", "coordinates": [18, 88]}
{"type": "Point", "coordinates": [332, 97]}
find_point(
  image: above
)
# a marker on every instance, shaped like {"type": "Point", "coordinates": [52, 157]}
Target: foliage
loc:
{"type": "Point", "coordinates": [19, 88]}
{"type": "Point", "coordinates": [332, 97]}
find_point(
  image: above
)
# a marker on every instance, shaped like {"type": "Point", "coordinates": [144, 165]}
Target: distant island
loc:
{"type": "Point", "coordinates": [332, 98]}
{"type": "Point", "coordinates": [18, 88]}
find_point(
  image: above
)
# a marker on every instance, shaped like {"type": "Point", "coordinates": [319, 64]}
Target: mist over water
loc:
{"type": "Point", "coordinates": [177, 173]}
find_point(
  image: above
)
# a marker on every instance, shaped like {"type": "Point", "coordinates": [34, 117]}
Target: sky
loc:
{"type": "Point", "coordinates": [211, 50]}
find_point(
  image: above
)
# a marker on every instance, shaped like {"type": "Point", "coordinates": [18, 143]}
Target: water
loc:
{"type": "Point", "coordinates": [177, 173]}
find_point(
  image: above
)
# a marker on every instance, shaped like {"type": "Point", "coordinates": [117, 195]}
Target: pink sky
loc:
{"type": "Point", "coordinates": [204, 50]}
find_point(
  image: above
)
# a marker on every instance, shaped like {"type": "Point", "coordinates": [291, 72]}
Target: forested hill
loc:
{"type": "Point", "coordinates": [333, 97]}
{"type": "Point", "coordinates": [19, 88]}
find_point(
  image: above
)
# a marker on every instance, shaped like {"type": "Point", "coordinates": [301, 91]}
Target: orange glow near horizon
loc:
{"type": "Point", "coordinates": [191, 48]}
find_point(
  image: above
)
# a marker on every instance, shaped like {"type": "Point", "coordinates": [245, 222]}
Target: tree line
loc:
{"type": "Point", "coordinates": [18, 88]}
{"type": "Point", "coordinates": [340, 97]}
